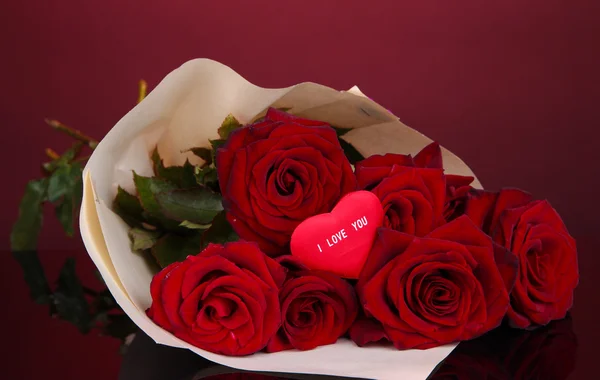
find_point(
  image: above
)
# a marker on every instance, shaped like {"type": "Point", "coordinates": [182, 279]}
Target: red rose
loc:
{"type": "Point", "coordinates": [224, 300]}
{"type": "Point", "coordinates": [316, 309]}
{"type": "Point", "coordinates": [412, 199]}
{"type": "Point", "coordinates": [374, 169]}
{"type": "Point", "coordinates": [484, 207]}
{"type": "Point", "coordinates": [276, 173]}
{"type": "Point", "coordinates": [458, 191]}
{"type": "Point", "coordinates": [449, 286]}
{"type": "Point", "coordinates": [548, 269]}
{"type": "Point", "coordinates": [420, 199]}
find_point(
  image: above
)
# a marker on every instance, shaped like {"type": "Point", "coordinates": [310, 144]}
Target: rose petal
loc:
{"type": "Point", "coordinates": [430, 157]}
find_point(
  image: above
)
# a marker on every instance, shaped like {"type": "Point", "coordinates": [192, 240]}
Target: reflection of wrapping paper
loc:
{"type": "Point", "coordinates": [184, 111]}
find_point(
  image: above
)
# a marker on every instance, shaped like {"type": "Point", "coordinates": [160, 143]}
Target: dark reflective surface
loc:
{"type": "Point", "coordinates": [146, 360]}
{"type": "Point", "coordinates": [547, 353]}
{"type": "Point", "coordinates": [564, 349]}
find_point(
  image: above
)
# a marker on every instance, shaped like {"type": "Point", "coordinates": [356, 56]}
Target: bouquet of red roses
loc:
{"type": "Point", "coordinates": [308, 230]}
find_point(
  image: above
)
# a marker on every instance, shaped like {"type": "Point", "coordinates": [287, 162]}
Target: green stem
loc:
{"type": "Point", "coordinates": [72, 132]}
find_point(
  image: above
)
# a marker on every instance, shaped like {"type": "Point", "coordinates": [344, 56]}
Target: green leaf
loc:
{"type": "Point", "coordinates": [187, 179]}
{"type": "Point", "coordinates": [63, 181]}
{"type": "Point", "coordinates": [157, 163]}
{"type": "Point", "coordinates": [216, 144]}
{"type": "Point", "coordinates": [77, 193]}
{"type": "Point", "coordinates": [128, 207]}
{"type": "Point", "coordinates": [172, 248]}
{"type": "Point", "coordinates": [193, 226]}
{"type": "Point", "coordinates": [350, 151]}
{"type": "Point", "coordinates": [64, 214]}
{"type": "Point", "coordinates": [142, 239]}
{"type": "Point", "coordinates": [105, 302]}
{"type": "Point", "coordinates": [39, 290]}
{"type": "Point", "coordinates": [198, 205]}
{"type": "Point", "coordinates": [70, 153]}
{"type": "Point", "coordinates": [229, 124]}
{"type": "Point", "coordinates": [147, 188]}
{"type": "Point", "coordinates": [207, 177]}
{"type": "Point", "coordinates": [102, 305]}
{"type": "Point", "coordinates": [69, 298]}
{"type": "Point", "coordinates": [341, 131]}
{"type": "Point", "coordinates": [26, 229]}
{"type": "Point", "coordinates": [181, 176]}
{"type": "Point", "coordinates": [204, 153]}
{"type": "Point", "coordinates": [66, 209]}
{"type": "Point", "coordinates": [66, 157]}
{"type": "Point", "coordinates": [220, 231]}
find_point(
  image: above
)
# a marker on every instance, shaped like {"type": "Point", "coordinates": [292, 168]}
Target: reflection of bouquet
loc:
{"type": "Point", "coordinates": [191, 226]}
{"type": "Point", "coordinates": [87, 307]}
{"type": "Point", "coordinates": [546, 353]}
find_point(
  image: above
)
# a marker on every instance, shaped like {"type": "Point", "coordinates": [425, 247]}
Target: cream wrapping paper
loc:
{"type": "Point", "coordinates": [184, 111]}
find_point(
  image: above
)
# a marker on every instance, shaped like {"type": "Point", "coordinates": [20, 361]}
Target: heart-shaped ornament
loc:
{"type": "Point", "coordinates": [339, 242]}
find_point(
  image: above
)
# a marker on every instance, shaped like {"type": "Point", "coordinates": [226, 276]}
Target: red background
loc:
{"type": "Point", "coordinates": [510, 86]}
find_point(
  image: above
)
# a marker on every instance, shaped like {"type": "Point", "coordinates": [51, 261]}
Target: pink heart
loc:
{"type": "Point", "coordinates": [339, 242]}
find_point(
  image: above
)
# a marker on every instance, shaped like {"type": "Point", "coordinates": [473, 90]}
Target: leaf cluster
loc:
{"type": "Point", "coordinates": [178, 211]}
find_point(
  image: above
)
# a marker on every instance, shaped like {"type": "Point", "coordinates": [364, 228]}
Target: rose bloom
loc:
{"type": "Point", "coordinates": [224, 300]}
{"type": "Point", "coordinates": [415, 193]}
{"type": "Point", "coordinates": [484, 207]}
{"type": "Point", "coordinates": [412, 199]}
{"type": "Point", "coordinates": [372, 170]}
{"type": "Point", "coordinates": [316, 309]}
{"type": "Point", "coordinates": [276, 173]}
{"type": "Point", "coordinates": [449, 286]}
{"type": "Point", "coordinates": [548, 269]}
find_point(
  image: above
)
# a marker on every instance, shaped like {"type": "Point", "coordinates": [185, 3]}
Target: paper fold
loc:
{"type": "Point", "coordinates": [184, 111]}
